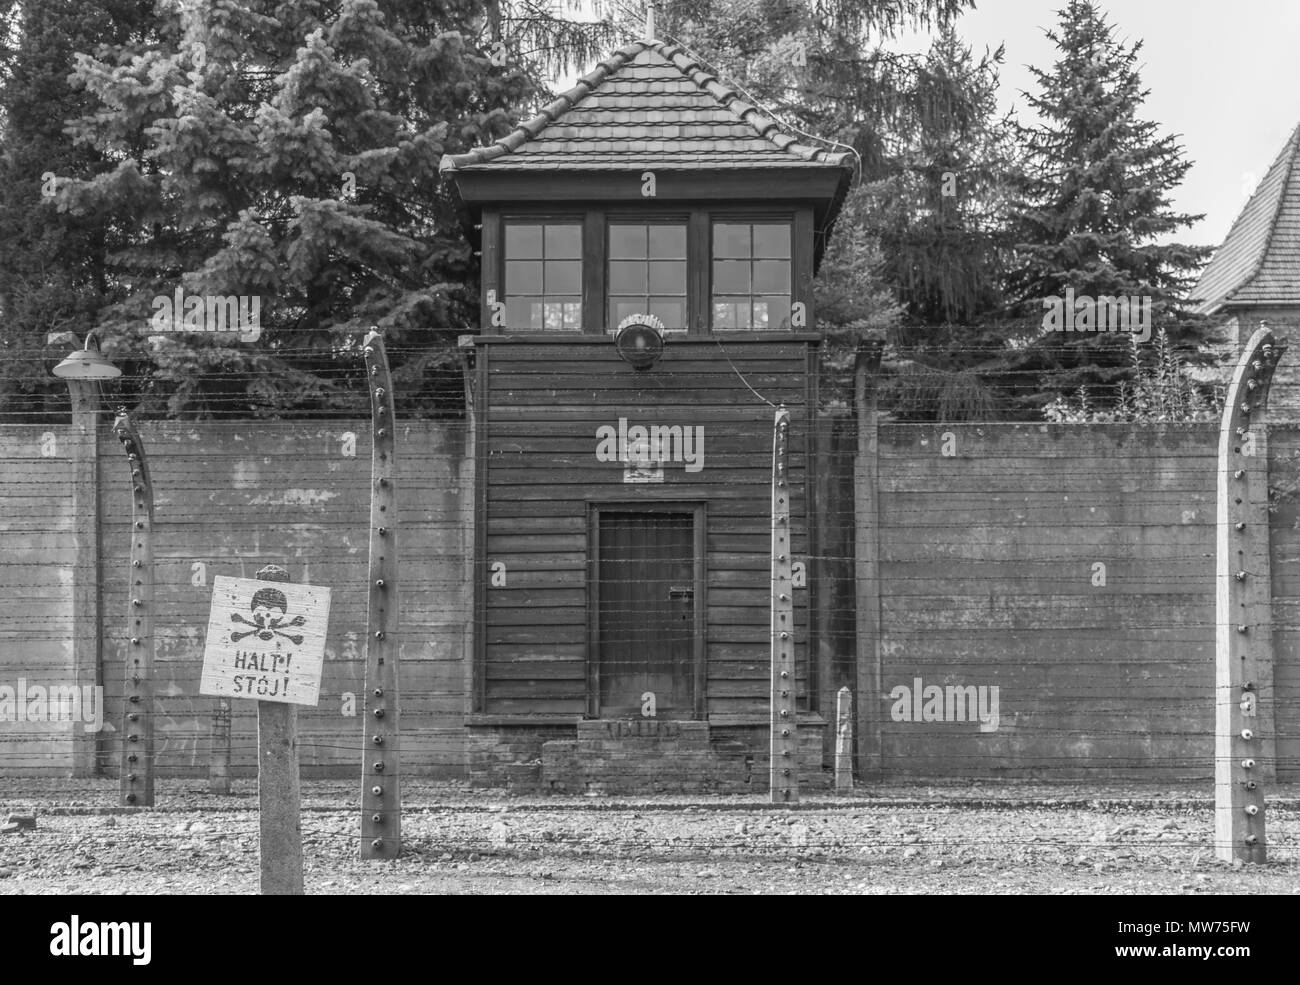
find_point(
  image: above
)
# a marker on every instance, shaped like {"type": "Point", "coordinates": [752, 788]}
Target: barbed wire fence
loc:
{"type": "Point", "coordinates": [1069, 566]}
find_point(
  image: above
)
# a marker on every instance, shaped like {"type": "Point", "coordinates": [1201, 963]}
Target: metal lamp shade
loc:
{"type": "Point", "coordinates": [639, 341]}
{"type": "Point", "coordinates": [87, 364]}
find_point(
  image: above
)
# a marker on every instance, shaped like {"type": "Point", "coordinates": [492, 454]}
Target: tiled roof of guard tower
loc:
{"type": "Point", "coordinates": [649, 105]}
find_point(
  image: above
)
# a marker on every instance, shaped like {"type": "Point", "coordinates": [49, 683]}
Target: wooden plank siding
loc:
{"type": "Point", "coordinates": [541, 477]}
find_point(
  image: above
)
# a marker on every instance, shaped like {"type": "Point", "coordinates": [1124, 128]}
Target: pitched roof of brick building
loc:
{"type": "Point", "coordinates": [649, 105]}
{"type": "Point", "coordinates": [1259, 262]}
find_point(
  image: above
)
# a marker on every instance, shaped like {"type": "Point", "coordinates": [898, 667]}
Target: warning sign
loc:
{"type": "Point", "coordinates": [266, 640]}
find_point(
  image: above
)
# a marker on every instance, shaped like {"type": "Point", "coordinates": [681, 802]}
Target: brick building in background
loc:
{"type": "Point", "coordinates": [1254, 277]}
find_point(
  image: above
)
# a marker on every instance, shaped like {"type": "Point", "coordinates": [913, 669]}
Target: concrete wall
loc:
{"type": "Point", "coordinates": [988, 577]}
{"type": "Point", "coordinates": [38, 553]}
{"type": "Point", "coordinates": [230, 498]}
{"type": "Point", "coordinates": [1071, 568]}
{"type": "Point", "coordinates": [1284, 562]}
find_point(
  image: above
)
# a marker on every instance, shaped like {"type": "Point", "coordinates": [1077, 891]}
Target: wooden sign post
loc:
{"type": "Point", "coordinates": [266, 642]}
{"type": "Point", "coordinates": [381, 789]}
{"type": "Point", "coordinates": [279, 794]}
{"type": "Point", "coordinates": [1243, 653]}
{"type": "Point", "coordinates": [137, 767]}
{"type": "Point", "coordinates": [783, 768]}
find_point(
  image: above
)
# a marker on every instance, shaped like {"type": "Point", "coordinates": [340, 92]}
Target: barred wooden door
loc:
{"type": "Point", "coordinates": [646, 613]}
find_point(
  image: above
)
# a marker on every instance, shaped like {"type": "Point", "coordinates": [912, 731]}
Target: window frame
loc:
{"type": "Point", "coordinates": [623, 217]}
{"type": "Point", "coordinates": [596, 219]}
{"type": "Point", "coordinates": [534, 219]}
{"type": "Point", "coordinates": [751, 219]}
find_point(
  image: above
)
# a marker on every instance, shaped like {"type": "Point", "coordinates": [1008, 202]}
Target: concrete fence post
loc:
{"type": "Point", "coordinates": [137, 763]}
{"type": "Point", "coordinates": [783, 768]}
{"type": "Point", "coordinates": [219, 757]}
{"type": "Point", "coordinates": [381, 790]}
{"type": "Point", "coordinates": [866, 550]}
{"type": "Point", "coordinates": [87, 533]}
{"type": "Point", "coordinates": [844, 741]}
{"type": "Point", "coordinates": [1243, 679]}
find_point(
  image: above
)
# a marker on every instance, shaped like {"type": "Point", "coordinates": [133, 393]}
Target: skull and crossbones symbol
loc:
{"type": "Point", "coordinates": [268, 607]}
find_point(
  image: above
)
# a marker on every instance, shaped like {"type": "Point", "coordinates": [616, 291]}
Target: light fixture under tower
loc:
{"type": "Point", "coordinates": [639, 340]}
{"type": "Point", "coordinates": [87, 364]}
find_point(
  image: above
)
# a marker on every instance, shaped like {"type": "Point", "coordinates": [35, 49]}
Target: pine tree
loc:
{"type": "Point", "coordinates": [854, 304]}
{"type": "Point", "coordinates": [1093, 203]}
{"type": "Point", "coordinates": [941, 213]}
{"type": "Point", "coordinates": [939, 210]}
{"type": "Point", "coordinates": [289, 152]}
{"type": "Point", "coordinates": [925, 218]}
{"type": "Point", "coordinates": [824, 64]}
{"type": "Point", "coordinates": [53, 276]}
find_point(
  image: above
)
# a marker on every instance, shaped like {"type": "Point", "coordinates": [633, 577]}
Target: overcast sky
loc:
{"type": "Point", "coordinates": [1224, 74]}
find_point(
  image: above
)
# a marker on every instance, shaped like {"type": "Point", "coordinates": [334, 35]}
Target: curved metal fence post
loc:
{"type": "Point", "coordinates": [1243, 623]}
{"type": "Point", "coordinates": [381, 793]}
{"type": "Point", "coordinates": [137, 763]}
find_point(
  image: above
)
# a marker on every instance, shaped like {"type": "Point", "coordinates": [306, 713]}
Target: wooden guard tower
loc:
{"type": "Point", "coordinates": [623, 513]}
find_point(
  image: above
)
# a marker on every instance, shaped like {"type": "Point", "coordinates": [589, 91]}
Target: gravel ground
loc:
{"type": "Point", "coordinates": [988, 838]}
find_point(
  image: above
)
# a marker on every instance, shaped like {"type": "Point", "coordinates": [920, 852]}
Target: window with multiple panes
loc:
{"type": "Point", "coordinates": [751, 275]}
{"type": "Point", "coordinates": [647, 271]}
{"type": "Point", "coordinates": [543, 276]}
{"type": "Point", "coordinates": [749, 272]}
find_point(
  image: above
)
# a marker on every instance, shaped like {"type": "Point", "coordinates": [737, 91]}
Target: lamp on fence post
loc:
{"type": "Point", "coordinates": [83, 370]}
{"type": "Point", "coordinates": [87, 364]}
